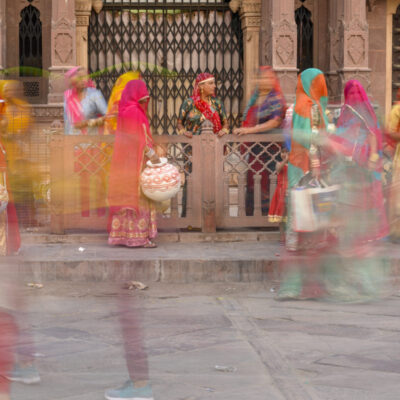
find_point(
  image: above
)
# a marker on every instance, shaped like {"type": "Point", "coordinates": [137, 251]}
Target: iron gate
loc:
{"type": "Point", "coordinates": [170, 43]}
{"type": "Point", "coordinates": [396, 54]}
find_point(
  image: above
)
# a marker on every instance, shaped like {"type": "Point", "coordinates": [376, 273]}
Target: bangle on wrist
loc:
{"type": "Point", "coordinates": [150, 153]}
{"type": "Point", "coordinates": [374, 157]}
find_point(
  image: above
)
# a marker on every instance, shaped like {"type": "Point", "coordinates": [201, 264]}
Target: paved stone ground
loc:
{"type": "Point", "coordinates": [292, 350]}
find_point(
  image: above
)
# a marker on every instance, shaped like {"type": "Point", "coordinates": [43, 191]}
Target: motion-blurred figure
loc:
{"type": "Point", "coordinates": [115, 97]}
{"type": "Point", "coordinates": [277, 209]}
{"type": "Point", "coordinates": [84, 114]}
{"type": "Point", "coordinates": [132, 220]}
{"type": "Point", "coordinates": [16, 125]}
{"type": "Point", "coordinates": [394, 199]}
{"type": "Point", "coordinates": [358, 273]}
{"type": "Point", "coordinates": [264, 112]}
{"type": "Point", "coordinates": [302, 279]}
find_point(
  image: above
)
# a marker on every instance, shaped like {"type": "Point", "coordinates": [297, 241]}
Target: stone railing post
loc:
{"type": "Point", "coordinates": [57, 208]}
{"type": "Point", "coordinates": [208, 164]}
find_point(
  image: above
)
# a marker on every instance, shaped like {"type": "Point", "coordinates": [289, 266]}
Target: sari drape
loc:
{"type": "Point", "coordinates": [132, 216]}
{"type": "Point", "coordinates": [273, 106]}
{"type": "Point", "coordinates": [394, 198]}
{"type": "Point", "coordinates": [115, 97]}
{"type": "Point", "coordinates": [361, 186]}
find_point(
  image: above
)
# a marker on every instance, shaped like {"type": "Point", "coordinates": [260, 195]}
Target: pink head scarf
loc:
{"type": "Point", "coordinates": [72, 102]}
{"type": "Point", "coordinates": [132, 136]}
{"type": "Point", "coordinates": [359, 101]}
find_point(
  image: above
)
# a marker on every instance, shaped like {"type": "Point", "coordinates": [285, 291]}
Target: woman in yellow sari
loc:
{"type": "Point", "coordinates": [15, 129]}
{"type": "Point", "coordinates": [394, 200]}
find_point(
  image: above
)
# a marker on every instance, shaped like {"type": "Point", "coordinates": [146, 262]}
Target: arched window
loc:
{"type": "Point", "coordinates": [304, 38]}
{"type": "Point", "coordinates": [30, 42]}
{"type": "Point", "coordinates": [396, 54]}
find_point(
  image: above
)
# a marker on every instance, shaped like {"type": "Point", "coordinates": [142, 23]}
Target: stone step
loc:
{"type": "Point", "coordinates": [163, 237]}
{"type": "Point", "coordinates": [181, 262]}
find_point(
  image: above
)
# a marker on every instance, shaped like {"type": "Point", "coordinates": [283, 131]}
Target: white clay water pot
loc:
{"type": "Point", "coordinates": [160, 182]}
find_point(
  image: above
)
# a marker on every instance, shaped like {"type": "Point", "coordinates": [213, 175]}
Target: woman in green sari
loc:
{"type": "Point", "coordinates": [301, 279]}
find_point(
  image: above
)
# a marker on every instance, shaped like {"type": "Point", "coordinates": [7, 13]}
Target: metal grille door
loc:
{"type": "Point", "coordinates": [170, 43]}
{"type": "Point", "coordinates": [396, 54]}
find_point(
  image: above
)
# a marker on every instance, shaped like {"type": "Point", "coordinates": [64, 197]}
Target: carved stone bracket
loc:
{"type": "Point", "coordinates": [83, 8]}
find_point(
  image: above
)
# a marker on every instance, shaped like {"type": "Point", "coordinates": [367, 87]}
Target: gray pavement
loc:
{"type": "Point", "coordinates": [292, 350]}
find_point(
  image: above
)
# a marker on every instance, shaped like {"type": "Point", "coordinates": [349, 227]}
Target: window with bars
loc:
{"type": "Point", "coordinates": [396, 54]}
{"type": "Point", "coordinates": [30, 42]}
{"type": "Point", "coordinates": [170, 43]}
{"type": "Point", "coordinates": [305, 36]}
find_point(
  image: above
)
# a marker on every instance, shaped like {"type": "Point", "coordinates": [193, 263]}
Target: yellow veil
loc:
{"type": "Point", "coordinates": [112, 109]}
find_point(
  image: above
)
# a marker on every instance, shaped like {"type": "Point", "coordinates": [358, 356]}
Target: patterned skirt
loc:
{"type": "Point", "coordinates": [134, 229]}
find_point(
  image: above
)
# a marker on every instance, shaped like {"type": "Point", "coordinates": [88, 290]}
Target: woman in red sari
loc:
{"type": "Point", "coordinates": [132, 220]}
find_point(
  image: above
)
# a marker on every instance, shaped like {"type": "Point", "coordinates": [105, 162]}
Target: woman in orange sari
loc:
{"type": "Point", "coordinates": [132, 220]}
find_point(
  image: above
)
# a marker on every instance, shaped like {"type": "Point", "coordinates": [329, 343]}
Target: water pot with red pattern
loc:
{"type": "Point", "coordinates": [160, 182]}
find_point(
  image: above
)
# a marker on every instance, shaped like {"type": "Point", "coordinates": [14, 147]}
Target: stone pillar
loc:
{"type": "Point", "coordinates": [2, 36]}
{"type": "Point", "coordinates": [250, 16]}
{"type": "Point", "coordinates": [279, 42]}
{"type": "Point", "coordinates": [63, 51]}
{"type": "Point", "coordinates": [348, 45]}
{"type": "Point", "coordinates": [83, 8]}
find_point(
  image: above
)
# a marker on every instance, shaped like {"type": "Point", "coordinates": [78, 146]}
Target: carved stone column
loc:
{"type": "Point", "coordinates": [250, 16]}
{"type": "Point", "coordinates": [279, 42]}
{"type": "Point", "coordinates": [348, 45]}
{"type": "Point", "coordinates": [63, 53]}
{"type": "Point", "coordinates": [2, 35]}
{"type": "Point", "coordinates": [83, 8]}
{"type": "Point", "coordinates": [208, 207]}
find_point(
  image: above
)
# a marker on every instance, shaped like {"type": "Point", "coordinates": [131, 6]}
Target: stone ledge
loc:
{"type": "Point", "coordinates": [163, 237]}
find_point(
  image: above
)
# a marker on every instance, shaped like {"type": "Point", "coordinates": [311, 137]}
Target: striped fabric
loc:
{"type": "Point", "coordinates": [311, 89]}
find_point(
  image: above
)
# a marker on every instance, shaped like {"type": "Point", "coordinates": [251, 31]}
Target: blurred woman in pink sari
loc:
{"type": "Point", "coordinates": [359, 273]}
{"type": "Point", "coordinates": [132, 220]}
{"type": "Point", "coordinates": [359, 141]}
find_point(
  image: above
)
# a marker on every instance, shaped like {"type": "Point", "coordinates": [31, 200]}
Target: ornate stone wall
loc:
{"type": "Point", "coordinates": [250, 15]}
{"type": "Point", "coordinates": [376, 17]}
{"type": "Point", "coordinates": [63, 47]}
{"type": "Point", "coordinates": [279, 42]}
{"type": "Point", "coordinates": [349, 45]}
{"type": "Point", "coordinates": [10, 26]}
{"type": "Point", "coordinates": [3, 41]}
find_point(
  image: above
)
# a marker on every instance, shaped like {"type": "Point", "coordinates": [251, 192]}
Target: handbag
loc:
{"type": "Point", "coordinates": [314, 206]}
